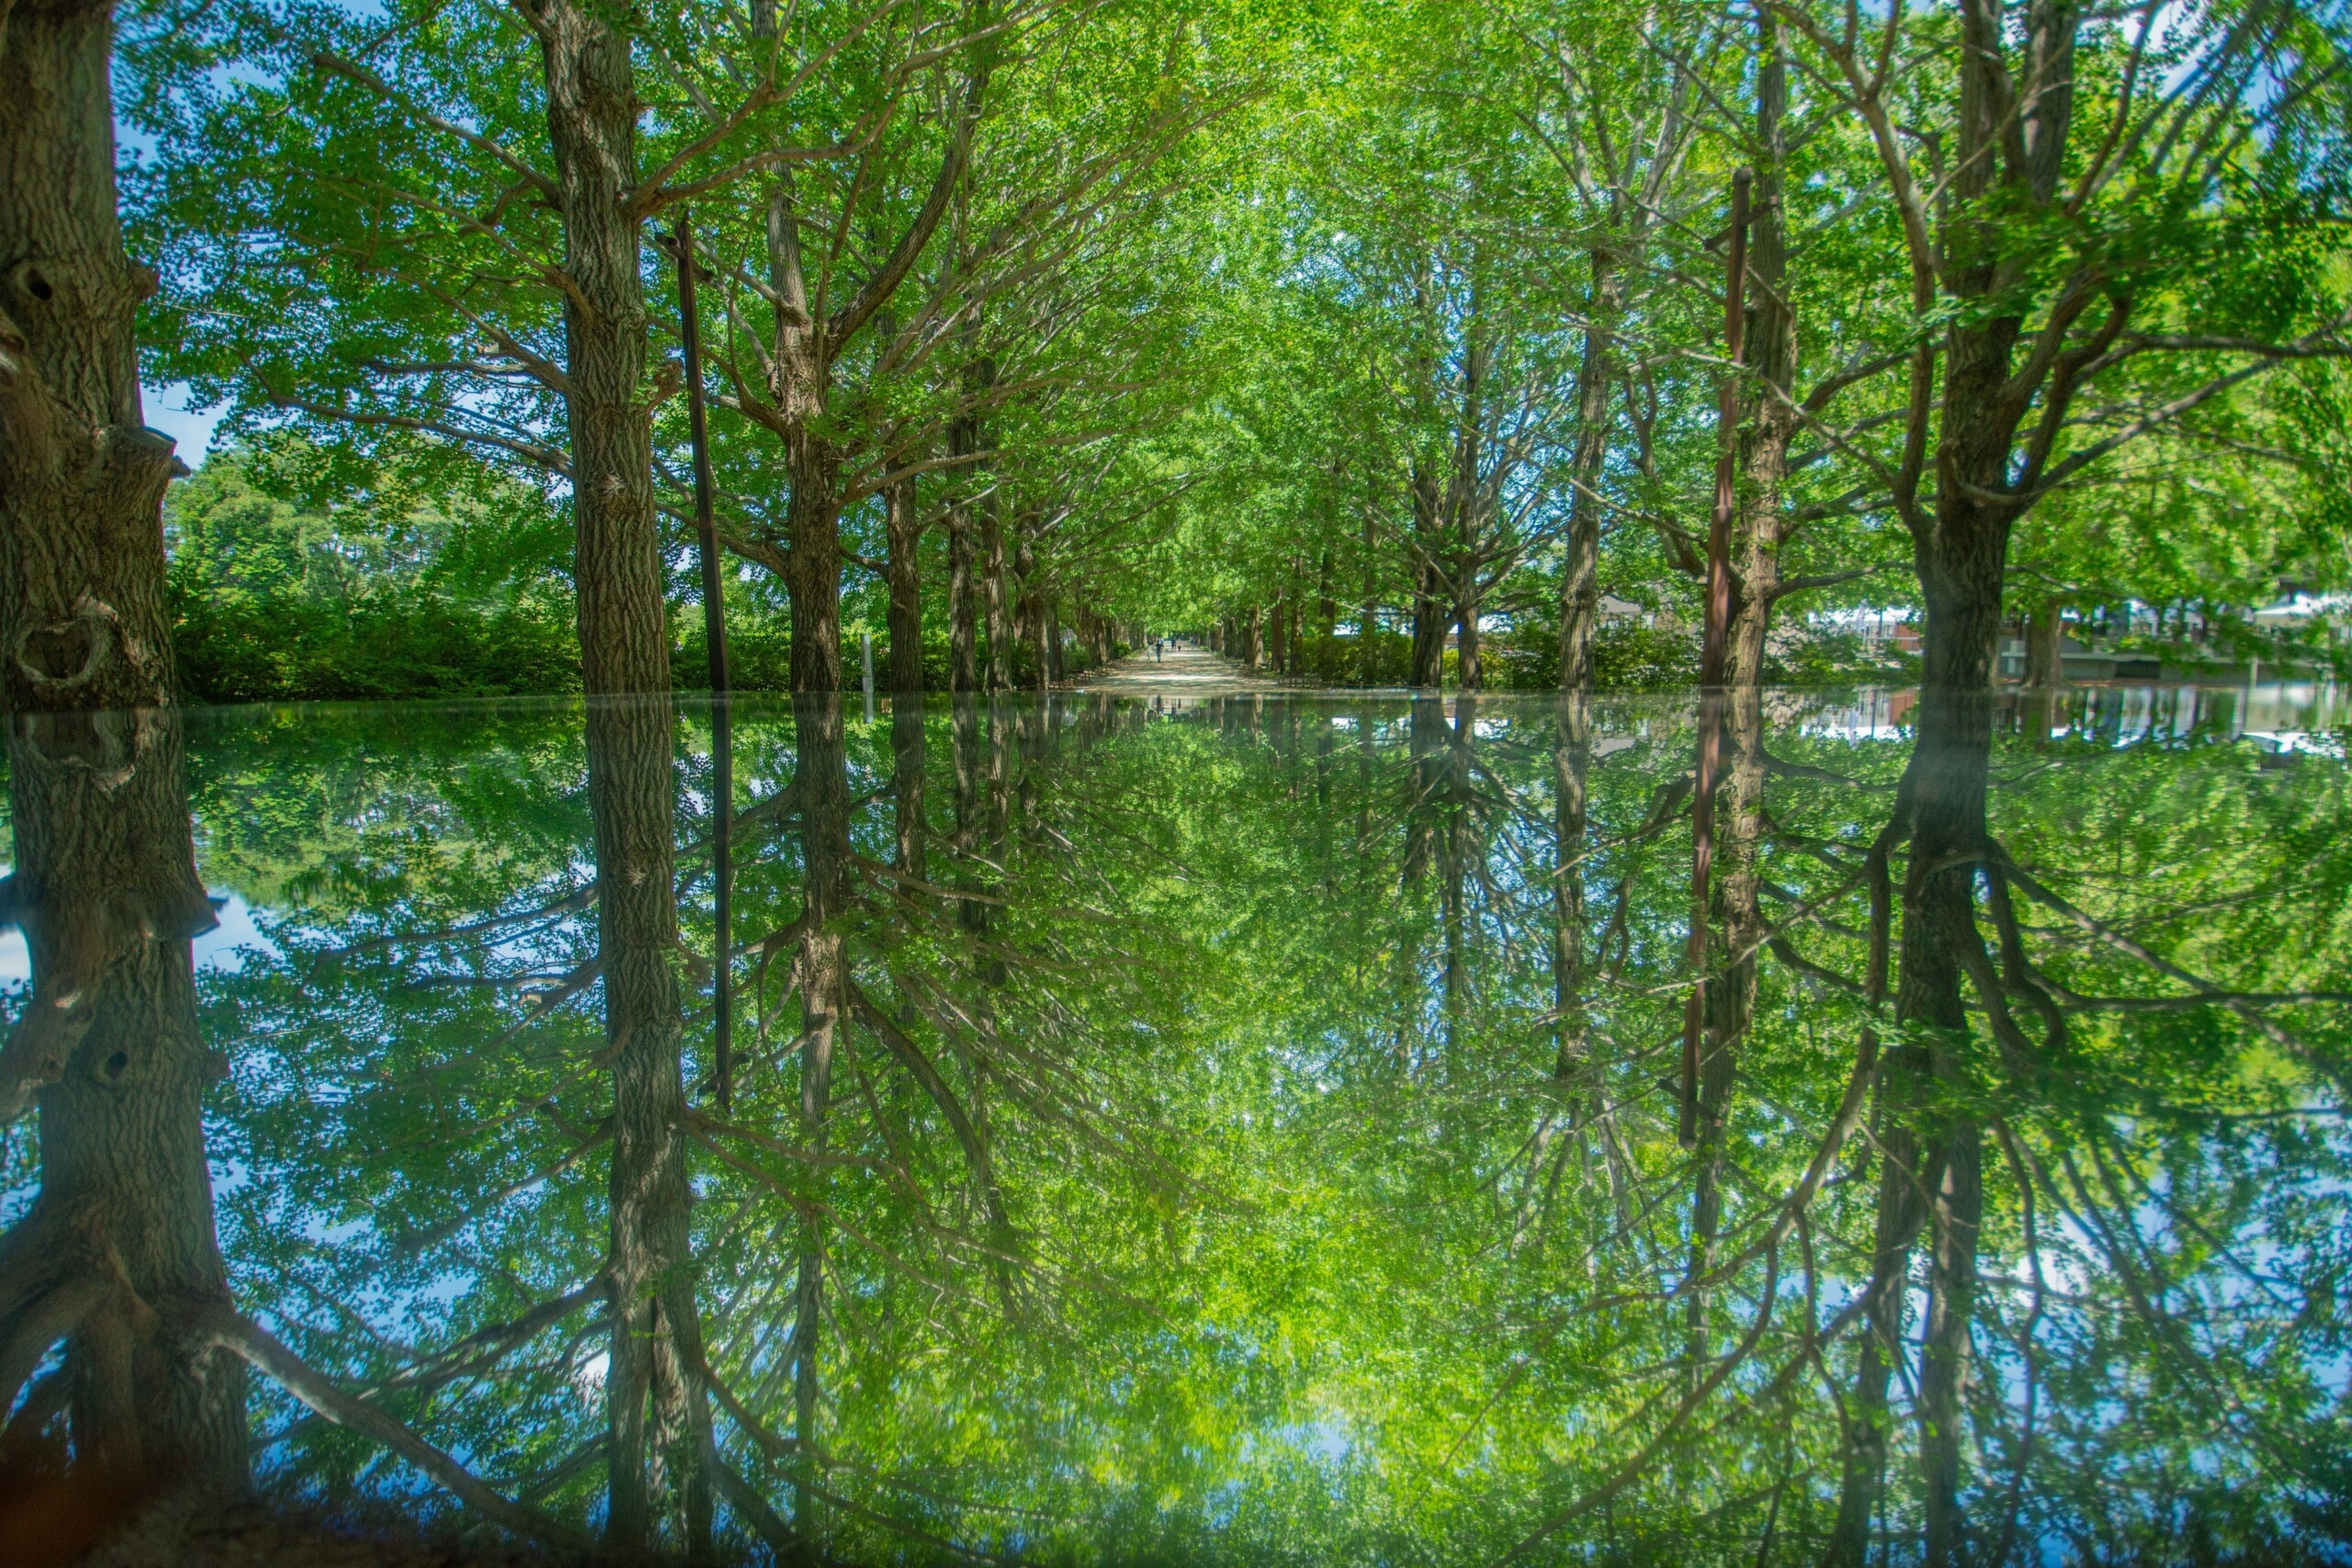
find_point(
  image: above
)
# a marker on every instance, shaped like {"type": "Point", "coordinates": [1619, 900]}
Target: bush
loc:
{"type": "Point", "coordinates": [375, 649]}
{"type": "Point", "coordinates": [1629, 656]}
{"type": "Point", "coordinates": [1809, 657]}
{"type": "Point", "coordinates": [759, 653]}
{"type": "Point", "coordinates": [1520, 658]}
{"type": "Point", "coordinates": [1339, 660]}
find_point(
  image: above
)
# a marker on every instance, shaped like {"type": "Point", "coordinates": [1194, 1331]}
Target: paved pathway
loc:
{"type": "Point", "coordinates": [1182, 672]}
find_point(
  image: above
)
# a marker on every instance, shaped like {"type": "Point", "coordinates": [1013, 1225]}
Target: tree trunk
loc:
{"type": "Point", "coordinates": [624, 643]}
{"type": "Point", "coordinates": [624, 637]}
{"type": "Point", "coordinates": [1930, 1171]}
{"type": "Point", "coordinates": [1469, 671]}
{"type": "Point", "coordinates": [903, 531]}
{"type": "Point", "coordinates": [1431, 614]}
{"type": "Point", "coordinates": [2045, 665]}
{"type": "Point", "coordinates": [997, 599]}
{"type": "Point", "coordinates": [592, 125]}
{"type": "Point", "coordinates": [1368, 608]}
{"type": "Point", "coordinates": [963, 605]}
{"type": "Point", "coordinates": [1580, 575]}
{"type": "Point", "coordinates": [1758, 534]}
{"type": "Point", "coordinates": [1041, 633]}
{"type": "Point", "coordinates": [1961, 555]}
{"type": "Point", "coordinates": [82, 611]}
{"type": "Point", "coordinates": [813, 572]}
{"type": "Point", "coordinates": [118, 1252]}
{"type": "Point", "coordinates": [964, 437]}
{"type": "Point", "coordinates": [1864, 1439]}
{"type": "Point", "coordinates": [1759, 527]}
{"type": "Point", "coordinates": [1430, 598]}
{"type": "Point", "coordinates": [1426, 737]}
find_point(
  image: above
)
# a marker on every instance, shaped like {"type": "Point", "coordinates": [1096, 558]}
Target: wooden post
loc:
{"type": "Point", "coordinates": [722, 729]}
{"type": "Point", "coordinates": [1711, 656]}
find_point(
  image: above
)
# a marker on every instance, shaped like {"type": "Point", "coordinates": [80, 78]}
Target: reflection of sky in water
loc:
{"type": "Point", "coordinates": [221, 948]}
{"type": "Point", "coordinates": [1284, 1397]}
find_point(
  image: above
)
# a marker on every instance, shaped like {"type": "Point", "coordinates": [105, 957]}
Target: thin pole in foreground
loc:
{"type": "Point", "coordinates": [1711, 657]}
{"type": "Point", "coordinates": [722, 728]}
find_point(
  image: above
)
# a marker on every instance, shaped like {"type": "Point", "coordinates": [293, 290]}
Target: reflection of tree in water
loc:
{"type": "Point", "coordinates": [1261, 1127]}
{"type": "Point", "coordinates": [116, 1258]}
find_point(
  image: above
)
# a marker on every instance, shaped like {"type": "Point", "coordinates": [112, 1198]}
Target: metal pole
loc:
{"type": "Point", "coordinates": [1711, 657]}
{"type": "Point", "coordinates": [722, 728]}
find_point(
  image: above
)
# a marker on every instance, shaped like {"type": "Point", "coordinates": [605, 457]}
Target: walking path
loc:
{"type": "Point", "coordinates": [1182, 672]}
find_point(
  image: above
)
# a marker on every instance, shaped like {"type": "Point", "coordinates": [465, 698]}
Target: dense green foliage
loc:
{"type": "Point", "coordinates": [1261, 1128]}
{"type": "Point", "coordinates": [390, 596]}
{"type": "Point", "coordinates": [1310, 1250]}
{"type": "Point", "coordinates": [1239, 316]}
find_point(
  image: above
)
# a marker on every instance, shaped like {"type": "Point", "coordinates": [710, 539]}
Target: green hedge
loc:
{"type": "Point", "coordinates": [1628, 655]}
{"type": "Point", "coordinates": [285, 649]}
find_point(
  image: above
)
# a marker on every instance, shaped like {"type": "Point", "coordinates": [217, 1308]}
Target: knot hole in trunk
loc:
{"type": "Point", "coordinates": [66, 656]}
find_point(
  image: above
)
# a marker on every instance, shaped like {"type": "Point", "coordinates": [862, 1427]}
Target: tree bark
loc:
{"type": "Point", "coordinates": [82, 623]}
{"type": "Point", "coordinates": [2045, 665]}
{"type": "Point", "coordinates": [999, 596]}
{"type": "Point", "coordinates": [822, 774]}
{"type": "Point", "coordinates": [907, 747]}
{"type": "Point", "coordinates": [656, 1414]}
{"type": "Point", "coordinates": [1430, 606]}
{"type": "Point", "coordinates": [1368, 608]}
{"type": "Point", "coordinates": [624, 635]}
{"type": "Point", "coordinates": [1759, 531]}
{"type": "Point", "coordinates": [1759, 525]}
{"type": "Point", "coordinates": [1470, 673]}
{"type": "Point", "coordinates": [592, 125]}
{"type": "Point", "coordinates": [813, 572]}
{"type": "Point", "coordinates": [964, 438]}
{"type": "Point", "coordinates": [903, 531]}
{"type": "Point", "coordinates": [962, 606]}
{"type": "Point", "coordinates": [119, 1252]}
{"type": "Point", "coordinates": [1571, 760]}
{"type": "Point", "coordinates": [1580, 575]}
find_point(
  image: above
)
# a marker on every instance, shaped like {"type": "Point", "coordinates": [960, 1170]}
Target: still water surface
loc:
{"type": "Point", "coordinates": [1255, 1131]}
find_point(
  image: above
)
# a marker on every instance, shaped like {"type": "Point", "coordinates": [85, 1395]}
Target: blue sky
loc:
{"type": "Point", "coordinates": [167, 410]}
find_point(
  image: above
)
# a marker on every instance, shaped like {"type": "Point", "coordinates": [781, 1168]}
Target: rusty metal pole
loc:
{"type": "Point", "coordinates": [1711, 657]}
{"type": "Point", "coordinates": [722, 724]}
